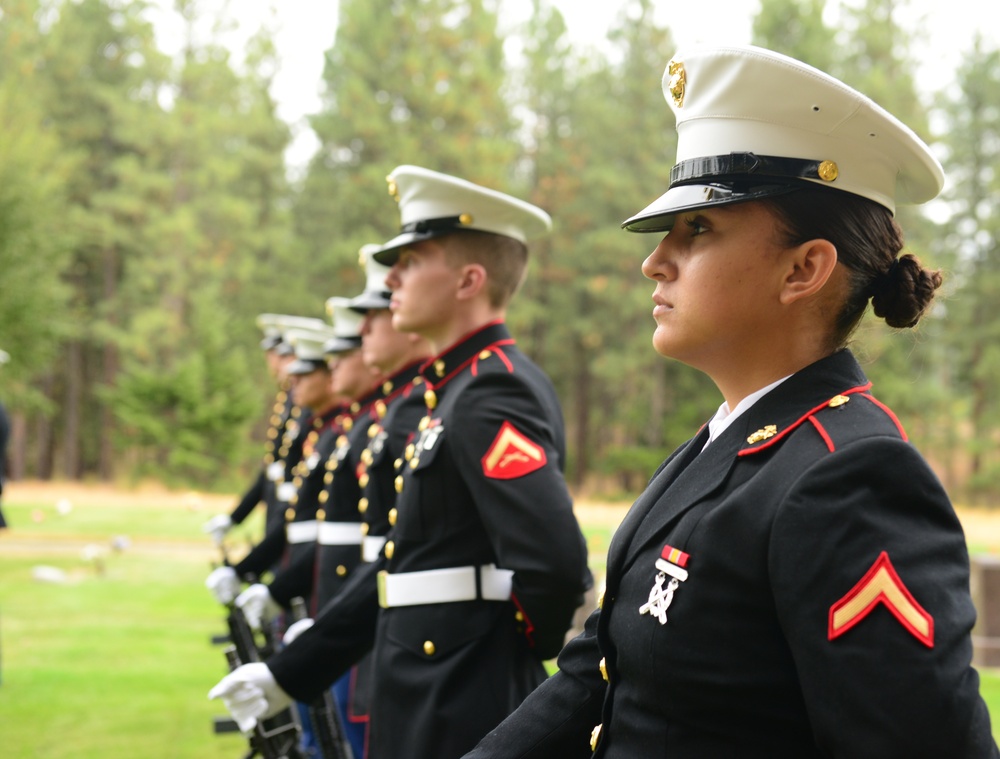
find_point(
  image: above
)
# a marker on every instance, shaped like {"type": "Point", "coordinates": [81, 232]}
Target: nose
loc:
{"type": "Point", "coordinates": [392, 278]}
{"type": "Point", "coordinates": [659, 264]}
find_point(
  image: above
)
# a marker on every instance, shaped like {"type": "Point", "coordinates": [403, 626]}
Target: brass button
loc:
{"type": "Point", "coordinates": [399, 484]}
{"type": "Point", "coordinates": [439, 367]}
{"type": "Point", "coordinates": [603, 666]}
{"type": "Point", "coordinates": [424, 423]}
{"type": "Point", "coordinates": [392, 517]}
{"type": "Point", "coordinates": [390, 549]}
{"type": "Point", "coordinates": [363, 528]}
{"type": "Point", "coordinates": [414, 462]}
{"type": "Point", "coordinates": [431, 399]}
{"type": "Point", "coordinates": [362, 505]}
{"type": "Point", "coordinates": [484, 354]}
{"type": "Point", "coordinates": [429, 647]}
{"type": "Point", "coordinates": [321, 514]}
{"type": "Point", "coordinates": [519, 616]}
{"type": "Point", "coordinates": [380, 409]}
{"type": "Point", "coordinates": [367, 457]}
{"type": "Point", "coordinates": [342, 571]}
{"type": "Point", "coordinates": [397, 464]}
{"type": "Point", "coordinates": [324, 496]}
{"type": "Point", "coordinates": [289, 515]}
{"type": "Point", "coordinates": [328, 478]}
{"type": "Point", "coordinates": [595, 736]}
{"type": "Point", "coordinates": [363, 480]}
{"type": "Point", "coordinates": [387, 387]}
{"type": "Point", "coordinates": [374, 430]}
{"type": "Point", "coordinates": [410, 450]}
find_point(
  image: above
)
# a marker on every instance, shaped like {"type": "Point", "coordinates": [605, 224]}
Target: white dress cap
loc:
{"type": "Point", "coordinates": [308, 345]}
{"type": "Point", "coordinates": [753, 123]}
{"type": "Point", "coordinates": [274, 327]}
{"type": "Point", "coordinates": [346, 321]}
{"type": "Point", "coordinates": [376, 294]}
{"type": "Point", "coordinates": [432, 204]}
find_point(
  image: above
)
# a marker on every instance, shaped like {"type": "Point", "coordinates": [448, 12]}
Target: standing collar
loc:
{"type": "Point", "coordinates": [443, 367]}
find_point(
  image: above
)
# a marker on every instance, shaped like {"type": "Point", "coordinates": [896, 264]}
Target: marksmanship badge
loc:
{"type": "Point", "coordinates": [671, 562]}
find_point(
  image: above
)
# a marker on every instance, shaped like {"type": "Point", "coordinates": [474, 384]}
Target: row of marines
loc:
{"type": "Point", "coordinates": [415, 486]}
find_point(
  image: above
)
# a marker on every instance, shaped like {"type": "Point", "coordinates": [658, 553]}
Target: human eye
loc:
{"type": "Point", "coordinates": [696, 226]}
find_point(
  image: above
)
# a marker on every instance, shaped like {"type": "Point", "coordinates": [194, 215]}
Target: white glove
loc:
{"type": "Point", "coordinates": [250, 693]}
{"type": "Point", "coordinates": [296, 629]}
{"type": "Point", "coordinates": [224, 584]}
{"type": "Point", "coordinates": [257, 604]}
{"type": "Point", "coordinates": [217, 527]}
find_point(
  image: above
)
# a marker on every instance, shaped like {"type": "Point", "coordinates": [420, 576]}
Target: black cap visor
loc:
{"type": "Point", "coordinates": [338, 345]}
{"type": "Point", "coordinates": [305, 366]}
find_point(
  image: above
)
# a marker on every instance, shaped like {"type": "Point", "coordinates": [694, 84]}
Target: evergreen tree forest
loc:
{"type": "Point", "coordinates": [147, 215]}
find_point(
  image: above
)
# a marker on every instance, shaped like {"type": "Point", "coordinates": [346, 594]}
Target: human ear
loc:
{"type": "Point", "coordinates": [472, 281]}
{"type": "Point", "coordinates": [810, 266]}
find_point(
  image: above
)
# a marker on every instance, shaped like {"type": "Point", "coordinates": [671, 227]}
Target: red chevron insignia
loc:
{"type": "Point", "coordinates": [512, 455]}
{"type": "Point", "coordinates": [881, 585]}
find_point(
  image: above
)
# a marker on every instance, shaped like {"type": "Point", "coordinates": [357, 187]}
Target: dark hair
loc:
{"type": "Point", "coordinates": [504, 259]}
{"type": "Point", "coordinates": [868, 241]}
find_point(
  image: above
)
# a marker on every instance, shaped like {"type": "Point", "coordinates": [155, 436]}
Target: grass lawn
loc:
{"type": "Point", "coordinates": [115, 661]}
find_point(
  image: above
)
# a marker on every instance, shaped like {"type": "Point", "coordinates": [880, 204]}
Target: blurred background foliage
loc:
{"type": "Point", "coordinates": [147, 216]}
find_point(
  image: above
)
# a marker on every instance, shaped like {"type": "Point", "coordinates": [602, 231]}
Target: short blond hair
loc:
{"type": "Point", "coordinates": [504, 259]}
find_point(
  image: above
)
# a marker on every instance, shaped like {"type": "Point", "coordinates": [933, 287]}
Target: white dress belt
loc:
{"type": "Point", "coordinates": [371, 546]}
{"type": "Point", "coordinates": [301, 532]}
{"type": "Point", "coordinates": [339, 533]}
{"type": "Point", "coordinates": [438, 586]}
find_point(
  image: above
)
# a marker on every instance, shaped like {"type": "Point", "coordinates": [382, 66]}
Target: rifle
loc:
{"type": "Point", "coordinates": [273, 738]}
{"type": "Point", "coordinates": [323, 713]}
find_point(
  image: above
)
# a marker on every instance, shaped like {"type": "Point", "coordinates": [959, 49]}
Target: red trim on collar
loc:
{"type": "Point", "coordinates": [474, 360]}
{"type": "Point", "coordinates": [781, 435]}
{"type": "Point", "coordinates": [892, 416]}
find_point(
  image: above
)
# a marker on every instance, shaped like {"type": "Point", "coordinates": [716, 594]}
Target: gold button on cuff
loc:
{"type": "Point", "coordinates": [392, 517]}
{"type": "Point", "coordinates": [342, 571]}
{"type": "Point", "coordinates": [603, 666]}
{"type": "Point", "coordinates": [362, 505]}
{"type": "Point", "coordinates": [429, 647]}
{"type": "Point", "coordinates": [595, 736]}
{"type": "Point", "coordinates": [390, 549]}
